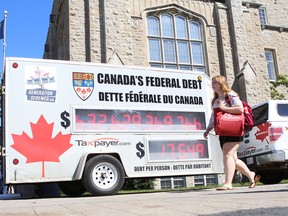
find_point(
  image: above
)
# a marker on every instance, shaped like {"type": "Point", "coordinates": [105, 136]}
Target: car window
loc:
{"type": "Point", "coordinates": [260, 114]}
{"type": "Point", "coordinates": [282, 109]}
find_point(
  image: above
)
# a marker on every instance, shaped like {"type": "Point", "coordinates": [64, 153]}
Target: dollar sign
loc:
{"type": "Point", "coordinates": [66, 121]}
{"type": "Point", "coordinates": [140, 148]}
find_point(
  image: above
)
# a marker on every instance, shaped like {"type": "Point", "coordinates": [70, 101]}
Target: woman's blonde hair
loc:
{"type": "Point", "coordinates": [223, 85]}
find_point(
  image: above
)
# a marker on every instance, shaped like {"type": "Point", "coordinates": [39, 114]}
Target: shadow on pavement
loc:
{"type": "Point", "coordinates": [254, 212]}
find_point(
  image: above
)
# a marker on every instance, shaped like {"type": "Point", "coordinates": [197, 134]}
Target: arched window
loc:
{"type": "Point", "coordinates": [175, 41]}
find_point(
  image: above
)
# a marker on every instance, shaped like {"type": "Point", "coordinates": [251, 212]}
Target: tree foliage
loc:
{"type": "Point", "coordinates": [138, 184]}
{"type": "Point", "coordinates": [282, 80]}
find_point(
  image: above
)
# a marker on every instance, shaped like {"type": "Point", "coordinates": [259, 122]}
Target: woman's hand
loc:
{"type": "Point", "coordinates": [233, 110]}
{"type": "Point", "coordinates": [205, 134]}
{"type": "Point", "coordinates": [222, 106]}
{"type": "Point", "coordinates": [219, 104]}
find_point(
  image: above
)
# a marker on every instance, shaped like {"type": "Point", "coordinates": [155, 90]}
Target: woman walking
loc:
{"type": "Point", "coordinates": [229, 144]}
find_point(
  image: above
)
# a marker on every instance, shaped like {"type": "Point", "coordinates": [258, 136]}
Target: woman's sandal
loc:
{"type": "Point", "coordinates": [256, 180]}
{"type": "Point", "coordinates": [224, 188]}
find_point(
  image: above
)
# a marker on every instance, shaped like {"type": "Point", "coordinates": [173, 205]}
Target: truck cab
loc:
{"type": "Point", "coordinates": [265, 148]}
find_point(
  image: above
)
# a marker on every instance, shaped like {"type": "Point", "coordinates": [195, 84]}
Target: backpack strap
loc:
{"type": "Point", "coordinates": [227, 99]}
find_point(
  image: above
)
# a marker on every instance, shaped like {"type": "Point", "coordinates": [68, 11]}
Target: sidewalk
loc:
{"type": "Point", "coordinates": [262, 200]}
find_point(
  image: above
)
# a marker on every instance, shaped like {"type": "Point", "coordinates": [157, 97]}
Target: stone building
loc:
{"type": "Point", "coordinates": [244, 40]}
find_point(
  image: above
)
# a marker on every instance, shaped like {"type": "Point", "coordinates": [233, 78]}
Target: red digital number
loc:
{"type": "Point", "coordinates": [191, 149]}
{"type": "Point", "coordinates": [187, 124]}
{"type": "Point", "coordinates": [197, 148]}
{"type": "Point", "coordinates": [115, 123]}
{"type": "Point", "coordinates": [197, 124]}
{"type": "Point", "coordinates": [103, 120]}
{"type": "Point", "coordinates": [156, 121]}
{"type": "Point", "coordinates": [181, 119]}
{"type": "Point", "coordinates": [153, 121]}
{"type": "Point", "coordinates": [200, 149]}
{"type": "Point", "coordinates": [177, 150]}
{"type": "Point", "coordinates": [170, 148]}
{"type": "Point", "coordinates": [163, 151]}
{"type": "Point", "coordinates": [168, 120]}
{"type": "Point", "coordinates": [150, 122]}
{"type": "Point", "coordinates": [182, 149]}
{"type": "Point", "coordinates": [150, 119]}
{"type": "Point", "coordinates": [78, 120]}
{"type": "Point", "coordinates": [127, 119]}
{"type": "Point", "coordinates": [79, 123]}
{"type": "Point", "coordinates": [136, 119]}
{"type": "Point", "coordinates": [92, 118]}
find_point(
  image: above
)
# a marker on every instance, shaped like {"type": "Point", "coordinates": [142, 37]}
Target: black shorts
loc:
{"type": "Point", "coordinates": [224, 139]}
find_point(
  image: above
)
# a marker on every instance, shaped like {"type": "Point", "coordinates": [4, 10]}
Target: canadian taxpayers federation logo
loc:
{"type": "Point", "coordinates": [83, 84]}
{"type": "Point", "coordinates": [102, 142]}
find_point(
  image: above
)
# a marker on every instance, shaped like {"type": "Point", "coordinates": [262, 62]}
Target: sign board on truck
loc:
{"type": "Point", "coordinates": [95, 124]}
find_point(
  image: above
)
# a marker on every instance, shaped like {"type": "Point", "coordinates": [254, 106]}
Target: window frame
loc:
{"type": "Point", "coordinates": [272, 71]}
{"type": "Point", "coordinates": [181, 37]}
{"type": "Point", "coordinates": [173, 182]}
{"type": "Point", "coordinates": [263, 16]}
{"type": "Point", "coordinates": [205, 180]}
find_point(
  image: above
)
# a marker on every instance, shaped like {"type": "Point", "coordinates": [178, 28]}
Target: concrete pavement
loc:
{"type": "Point", "coordinates": [262, 200]}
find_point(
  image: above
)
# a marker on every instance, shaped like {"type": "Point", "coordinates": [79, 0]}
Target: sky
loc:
{"type": "Point", "coordinates": [27, 25]}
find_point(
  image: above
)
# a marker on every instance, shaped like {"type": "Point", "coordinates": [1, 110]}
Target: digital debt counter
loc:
{"type": "Point", "coordinates": [89, 126]}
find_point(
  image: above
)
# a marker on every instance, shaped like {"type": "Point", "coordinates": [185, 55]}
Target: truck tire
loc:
{"type": "Point", "coordinates": [103, 175]}
{"type": "Point", "coordinates": [72, 188]}
{"type": "Point", "coordinates": [271, 177]}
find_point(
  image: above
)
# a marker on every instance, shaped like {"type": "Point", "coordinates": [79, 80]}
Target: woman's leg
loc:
{"type": "Point", "coordinates": [242, 167]}
{"type": "Point", "coordinates": [229, 151]}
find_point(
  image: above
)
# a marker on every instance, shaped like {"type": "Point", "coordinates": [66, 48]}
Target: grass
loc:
{"type": "Point", "coordinates": [169, 189]}
{"type": "Point", "coordinates": [285, 181]}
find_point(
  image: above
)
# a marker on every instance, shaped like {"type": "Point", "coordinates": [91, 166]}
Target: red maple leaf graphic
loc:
{"type": "Point", "coordinates": [262, 133]}
{"type": "Point", "coordinates": [41, 147]}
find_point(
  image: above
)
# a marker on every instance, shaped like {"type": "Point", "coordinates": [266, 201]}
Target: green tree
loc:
{"type": "Point", "coordinates": [138, 184]}
{"type": "Point", "coordinates": [281, 80]}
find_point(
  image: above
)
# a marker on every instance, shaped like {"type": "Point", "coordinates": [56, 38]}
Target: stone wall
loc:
{"type": "Point", "coordinates": [256, 40]}
{"type": "Point", "coordinates": [235, 40]}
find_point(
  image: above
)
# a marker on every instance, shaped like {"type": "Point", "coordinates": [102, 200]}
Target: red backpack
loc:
{"type": "Point", "coordinates": [248, 115]}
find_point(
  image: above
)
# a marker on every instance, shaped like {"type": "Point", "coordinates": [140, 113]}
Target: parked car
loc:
{"type": "Point", "coordinates": [265, 147]}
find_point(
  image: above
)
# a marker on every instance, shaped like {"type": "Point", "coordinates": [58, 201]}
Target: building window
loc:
{"type": "Point", "coordinates": [175, 42]}
{"type": "Point", "coordinates": [263, 15]}
{"type": "Point", "coordinates": [205, 180]}
{"type": "Point", "coordinates": [271, 64]}
{"type": "Point", "coordinates": [173, 182]}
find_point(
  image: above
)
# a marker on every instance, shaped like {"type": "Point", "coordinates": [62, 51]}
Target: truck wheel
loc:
{"type": "Point", "coordinates": [103, 175]}
{"type": "Point", "coordinates": [272, 177]}
{"type": "Point", "coordinates": [72, 188]}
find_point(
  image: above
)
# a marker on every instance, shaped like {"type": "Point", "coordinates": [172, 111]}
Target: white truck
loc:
{"type": "Point", "coordinates": [89, 126]}
{"type": "Point", "coordinates": [265, 148]}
